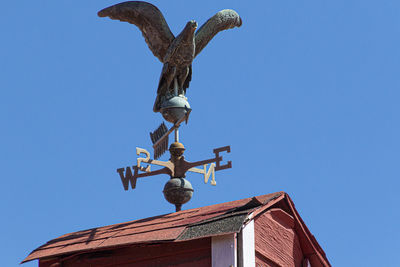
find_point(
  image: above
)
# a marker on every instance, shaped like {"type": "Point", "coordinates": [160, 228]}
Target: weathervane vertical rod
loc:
{"type": "Point", "coordinates": [177, 135]}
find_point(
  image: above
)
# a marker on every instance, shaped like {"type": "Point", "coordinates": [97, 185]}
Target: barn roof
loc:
{"type": "Point", "coordinates": [184, 225]}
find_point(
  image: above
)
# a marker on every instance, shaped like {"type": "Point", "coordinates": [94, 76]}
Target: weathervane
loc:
{"type": "Point", "coordinates": [177, 54]}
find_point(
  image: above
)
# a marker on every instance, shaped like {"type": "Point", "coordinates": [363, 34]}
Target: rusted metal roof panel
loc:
{"type": "Point", "coordinates": [183, 225]}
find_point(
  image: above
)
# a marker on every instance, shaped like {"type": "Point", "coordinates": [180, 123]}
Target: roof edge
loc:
{"type": "Point", "coordinates": [309, 236]}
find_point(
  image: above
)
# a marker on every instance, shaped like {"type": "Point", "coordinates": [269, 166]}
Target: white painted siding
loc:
{"type": "Point", "coordinates": [223, 251]}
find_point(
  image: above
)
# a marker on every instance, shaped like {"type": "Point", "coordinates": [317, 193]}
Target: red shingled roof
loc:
{"type": "Point", "coordinates": [178, 226]}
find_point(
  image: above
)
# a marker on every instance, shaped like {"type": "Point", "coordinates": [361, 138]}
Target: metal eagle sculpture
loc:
{"type": "Point", "coordinates": [176, 53]}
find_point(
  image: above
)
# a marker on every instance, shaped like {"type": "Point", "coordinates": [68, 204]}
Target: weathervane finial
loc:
{"type": "Point", "coordinates": [176, 54]}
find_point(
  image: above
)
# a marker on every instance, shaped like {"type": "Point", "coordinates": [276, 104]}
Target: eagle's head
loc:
{"type": "Point", "coordinates": [188, 31]}
{"type": "Point", "coordinates": [191, 26]}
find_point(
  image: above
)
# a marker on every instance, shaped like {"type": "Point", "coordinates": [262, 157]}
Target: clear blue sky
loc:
{"type": "Point", "coordinates": [305, 92]}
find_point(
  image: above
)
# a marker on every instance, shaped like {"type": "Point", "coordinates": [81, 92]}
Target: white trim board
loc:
{"type": "Point", "coordinates": [247, 254]}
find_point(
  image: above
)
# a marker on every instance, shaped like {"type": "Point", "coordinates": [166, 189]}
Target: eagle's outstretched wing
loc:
{"type": "Point", "coordinates": [150, 21]}
{"type": "Point", "coordinates": [223, 20]}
